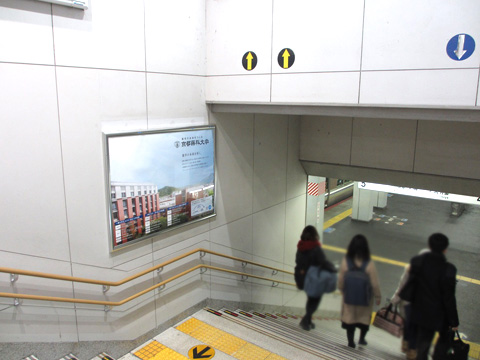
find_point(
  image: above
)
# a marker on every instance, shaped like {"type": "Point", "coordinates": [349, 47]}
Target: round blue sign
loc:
{"type": "Point", "coordinates": [460, 47]}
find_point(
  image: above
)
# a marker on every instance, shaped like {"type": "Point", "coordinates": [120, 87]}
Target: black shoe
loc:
{"type": "Point", "coordinates": [362, 342]}
{"type": "Point", "coordinates": [312, 326]}
{"type": "Point", "coordinates": [352, 345]}
{"type": "Point", "coordinates": [304, 326]}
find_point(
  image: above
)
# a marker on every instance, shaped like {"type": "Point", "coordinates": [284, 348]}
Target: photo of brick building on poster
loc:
{"type": "Point", "coordinates": [159, 180]}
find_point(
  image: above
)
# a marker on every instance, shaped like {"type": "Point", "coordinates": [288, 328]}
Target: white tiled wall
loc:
{"type": "Point", "coordinates": [414, 34]}
{"type": "Point", "coordinates": [346, 52]}
{"type": "Point", "coordinates": [109, 35]}
{"type": "Point", "coordinates": [324, 35]}
{"type": "Point", "coordinates": [67, 77]}
{"type": "Point", "coordinates": [29, 28]}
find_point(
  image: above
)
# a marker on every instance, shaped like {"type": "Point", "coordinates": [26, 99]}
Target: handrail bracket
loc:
{"type": "Point", "coordinates": [13, 278]}
{"type": "Point", "coordinates": [274, 272]}
{"type": "Point", "coordinates": [275, 284]}
{"type": "Point", "coordinates": [244, 264]}
{"type": "Point", "coordinates": [202, 254]}
{"type": "Point", "coordinates": [105, 288]}
{"type": "Point", "coordinates": [107, 308]}
{"type": "Point", "coordinates": [203, 270]}
{"type": "Point", "coordinates": [244, 277]}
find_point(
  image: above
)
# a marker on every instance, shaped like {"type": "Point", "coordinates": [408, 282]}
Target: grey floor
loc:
{"type": "Point", "coordinates": [422, 217]}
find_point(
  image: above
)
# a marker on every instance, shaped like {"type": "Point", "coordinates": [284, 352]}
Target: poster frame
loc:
{"type": "Point", "coordinates": [105, 138]}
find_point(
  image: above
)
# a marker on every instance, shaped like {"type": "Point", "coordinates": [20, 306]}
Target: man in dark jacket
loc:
{"type": "Point", "coordinates": [434, 304]}
{"type": "Point", "coordinates": [309, 252]}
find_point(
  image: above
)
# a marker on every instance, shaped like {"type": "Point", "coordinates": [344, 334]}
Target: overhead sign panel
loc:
{"type": "Point", "coordinates": [460, 47]}
{"type": "Point", "coordinates": [286, 58]}
{"type": "Point", "coordinates": [249, 60]}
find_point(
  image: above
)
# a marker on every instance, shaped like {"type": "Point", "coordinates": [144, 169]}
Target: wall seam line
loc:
{"type": "Point", "coordinates": [361, 56]}
{"type": "Point", "coordinates": [271, 53]}
{"type": "Point", "coordinates": [415, 147]}
{"type": "Point", "coordinates": [478, 87]}
{"type": "Point", "coordinates": [63, 174]}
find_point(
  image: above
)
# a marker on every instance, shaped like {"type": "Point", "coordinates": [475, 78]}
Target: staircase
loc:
{"type": "Point", "coordinates": [251, 335]}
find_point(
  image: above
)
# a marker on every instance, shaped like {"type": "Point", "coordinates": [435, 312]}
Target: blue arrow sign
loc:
{"type": "Point", "coordinates": [460, 47]}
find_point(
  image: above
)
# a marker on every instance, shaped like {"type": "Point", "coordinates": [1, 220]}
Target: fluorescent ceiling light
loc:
{"type": "Point", "coordinates": [472, 200]}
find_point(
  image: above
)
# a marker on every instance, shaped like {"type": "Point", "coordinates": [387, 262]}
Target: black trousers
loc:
{"type": "Point", "coordinates": [311, 307]}
{"type": "Point", "coordinates": [424, 341]}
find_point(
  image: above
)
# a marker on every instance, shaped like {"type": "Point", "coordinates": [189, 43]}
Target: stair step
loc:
{"type": "Point", "coordinates": [329, 343]}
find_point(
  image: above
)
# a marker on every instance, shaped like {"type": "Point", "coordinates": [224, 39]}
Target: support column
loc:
{"type": "Point", "coordinates": [381, 199]}
{"type": "Point", "coordinates": [316, 203]}
{"type": "Point", "coordinates": [363, 202]}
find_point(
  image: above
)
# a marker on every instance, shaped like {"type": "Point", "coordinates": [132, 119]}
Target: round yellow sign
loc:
{"type": "Point", "coordinates": [201, 352]}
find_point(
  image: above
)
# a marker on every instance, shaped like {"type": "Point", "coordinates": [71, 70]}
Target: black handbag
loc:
{"type": "Point", "coordinates": [458, 349]}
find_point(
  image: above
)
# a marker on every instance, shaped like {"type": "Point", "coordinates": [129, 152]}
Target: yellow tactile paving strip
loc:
{"type": "Point", "coordinates": [225, 342]}
{"type": "Point", "coordinates": [157, 351]}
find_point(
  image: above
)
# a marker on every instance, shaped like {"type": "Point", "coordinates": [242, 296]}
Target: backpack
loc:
{"type": "Point", "coordinates": [357, 289]}
{"type": "Point", "coordinates": [319, 282]}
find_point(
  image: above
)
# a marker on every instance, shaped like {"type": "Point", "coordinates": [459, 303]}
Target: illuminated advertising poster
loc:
{"type": "Point", "coordinates": [159, 180]}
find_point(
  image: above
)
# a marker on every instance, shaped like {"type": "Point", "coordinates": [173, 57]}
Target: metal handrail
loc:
{"type": "Point", "coordinates": [160, 284]}
{"type": "Point", "coordinates": [133, 277]}
{"type": "Point", "coordinates": [130, 278]}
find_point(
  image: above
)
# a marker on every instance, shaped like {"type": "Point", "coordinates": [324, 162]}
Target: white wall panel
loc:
{"type": "Point", "coordinates": [36, 285]}
{"type": "Point", "coordinates": [234, 149]}
{"type": "Point", "coordinates": [234, 28]}
{"type": "Point", "coordinates": [321, 134]}
{"type": "Point", "coordinates": [175, 36]}
{"type": "Point", "coordinates": [255, 88]}
{"type": "Point", "coordinates": [88, 99]}
{"type": "Point", "coordinates": [175, 101]}
{"type": "Point", "coordinates": [428, 87]}
{"type": "Point", "coordinates": [269, 233]}
{"type": "Point", "coordinates": [296, 176]}
{"type": "Point", "coordinates": [323, 35]}
{"type": "Point", "coordinates": [316, 88]}
{"type": "Point", "coordinates": [384, 143]}
{"type": "Point", "coordinates": [38, 324]}
{"type": "Point", "coordinates": [235, 235]}
{"type": "Point", "coordinates": [229, 286]}
{"type": "Point", "coordinates": [117, 324]}
{"type": "Point", "coordinates": [262, 291]}
{"type": "Point", "coordinates": [110, 35]}
{"type": "Point", "coordinates": [448, 148]}
{"type": "Point", "coordinates": [409, 34]}
{"type": "Point", "coordinates": [294, 224]}
{"type": "Point", "coordinates": [188, 292]}
{"type": "Point", "coordinates": [270, 160]}
{"type": "Point", "coordinates": [29, 28]}
{"type": "Point", "coordinates": [33, 216]}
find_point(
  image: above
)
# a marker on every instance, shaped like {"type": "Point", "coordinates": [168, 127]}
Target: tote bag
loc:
{"type": "Point", "coordinates": [319, 282]}
{"type": "Point", "coordinates": [389, 320]}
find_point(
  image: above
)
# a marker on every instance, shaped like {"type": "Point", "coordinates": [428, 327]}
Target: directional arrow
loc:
{"type": "Point", "coordinates": [201, 354]}
{"type": "Point", "coordinates": [285, 56]}
{"type": "Point", "coordinates": [249, 61]}
{"type": "Point", "coordinates": [460, 45]}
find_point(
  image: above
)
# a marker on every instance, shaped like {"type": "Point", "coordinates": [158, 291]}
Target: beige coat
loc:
{"type": "Point", "coordinates": [352, 314]}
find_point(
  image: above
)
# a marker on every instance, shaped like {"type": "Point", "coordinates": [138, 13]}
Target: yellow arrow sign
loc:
{"type": "Point", "coordinates": [249, 61]}
{"type": "Point", "coordinates": [285, 56]}
{"type": "Point", "coordinates": [201, 352]}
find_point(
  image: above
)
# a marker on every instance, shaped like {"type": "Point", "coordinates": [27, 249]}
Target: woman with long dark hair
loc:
{"type": "Point", "coordinates": [309, 253]}
{"type": "Point", "coordinates": [358, 281]}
